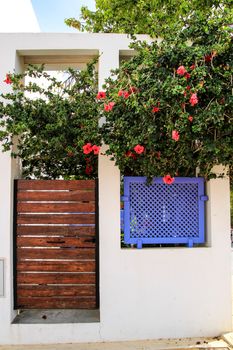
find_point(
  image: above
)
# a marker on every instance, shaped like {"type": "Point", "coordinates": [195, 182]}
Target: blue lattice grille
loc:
{"type": "Point", "coordinates": [160, 213]}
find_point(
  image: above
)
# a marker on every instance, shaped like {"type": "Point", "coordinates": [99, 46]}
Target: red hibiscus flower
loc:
{"type": "Point", "coordinates": [168, 180]}
{"type": "Point", "coordinates": [8, 79]}
{"type": "Point", "coordinates": [175, 135]}
{"type": "Point", "coordinates": [108, 107]}
{"type": "Point", "coordinates": [101, 95]}
{"type": "Point", "coordinates": [130, 154]}
{"type": "Point", "coordinates": [120, 93]}
{"type": "Point", "coordinates": [190, 118]}
{"type": "Point", "coordinates": [96, 149]}
{"type": "Point", "coordinates": [126, 94]}
{"type": "Point", "coordinates": [132, 90]}
{"type": "Point", "coordinates": [88, 169]}
{"type": "Point", "coordinates": [139, 149]}
{"type": "Point", "coordinates": [193, 66]}
{"type": "Point", "coordinates": [87, 148]}
{"type": "Point", "coordinates": [187, 76]}
{"type": "Point", "coordinates": [155, 109]}
{"type": "Point", "coordinates": [181, 70]}
{"type": "Point", "coordinates": [193, 99]}
{"type": "Point", "coordinates": [208, 58]}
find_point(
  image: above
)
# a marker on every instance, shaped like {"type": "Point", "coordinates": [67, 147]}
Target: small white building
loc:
{"type": "Point", "coordinates": [18, 16]}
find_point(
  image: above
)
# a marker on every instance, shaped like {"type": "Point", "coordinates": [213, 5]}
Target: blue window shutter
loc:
{"type": "Point", "coordinates": [164, 214]}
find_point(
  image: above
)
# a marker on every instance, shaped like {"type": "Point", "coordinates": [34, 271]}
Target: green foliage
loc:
{"type": "Point", "coordinates": [173, 101]}
{"type": "Point", "coordinates": [202, 133]}
{"type": "Point", "coordinates": [153, 17]}
{"type": "Point", "coordinates": [50, 124]}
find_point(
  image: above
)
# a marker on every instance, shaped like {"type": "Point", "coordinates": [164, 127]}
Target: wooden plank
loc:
{"type": "Point", "coordinates": [56, 303]}
{"type": "Point", "coordinates": [59, 266]}
{"type": "Point", "coordinates": [83, 242]}
{"type": "Point", "coordinates": [56, 278]}
{"type": "Point", "coordinates": [23, 207]}
{"type": "Point", "coordinates": [71, 231]}
{"type": "Point", "coordinates": [57, 290]}
{"type": "Point", "coordinates": [55, 184]}
{"type": "Point", "coordinates": [40, 253]}
{"type": "Point", "coordinates": [57, 196]}
{"type": "Point", "coordinates": [27, 219]}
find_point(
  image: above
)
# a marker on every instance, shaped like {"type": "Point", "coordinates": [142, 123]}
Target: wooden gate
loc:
{"type": "Point", "coordinates": [56, 244]}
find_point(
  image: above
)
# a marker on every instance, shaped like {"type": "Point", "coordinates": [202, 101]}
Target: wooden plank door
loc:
{"type": "Point", "coordinates": [56, 244]}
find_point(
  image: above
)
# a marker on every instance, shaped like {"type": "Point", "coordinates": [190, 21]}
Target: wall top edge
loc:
{"type": "Point", "coordinates": [107, 42]}
{"type": "Point", "coordinates": [114, 35]}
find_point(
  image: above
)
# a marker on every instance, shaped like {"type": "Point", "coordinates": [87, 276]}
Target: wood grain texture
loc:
{"type": "Point", "coordinates": [69, 254]}
{"type": "Point", "coordinates": [23, 207]}
{"type": "Point", "coordinates": [65, 242]}
{"type": "Point", "coordinates": [71, 231]}
{"type": "Point", "coordinates": [57, 266]}
{"type": "Point", "coordinates": [64, 219]}
{"type": "Point", "coordinates": [55, 242]}
{"type": "Point", "coordinates": [56, 303]}
{"type": "Point", "coordinates": [75, 196]}
{"type": "Point", "coordinates": [55, 184]}
{"type": "Point", "coordinates": [56, 278]}
{"type": "Point", "coordinates": [57, 291]}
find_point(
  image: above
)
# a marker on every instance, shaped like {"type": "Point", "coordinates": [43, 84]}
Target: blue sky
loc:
{"type": "Point", "coordinates": [51, 13]}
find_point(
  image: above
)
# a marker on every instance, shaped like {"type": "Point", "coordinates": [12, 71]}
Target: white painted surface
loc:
{"type": "Point", "coordinates": [1, 278]}
{"type": "Point", "coordinates": [144, 294]}
{"type": "Point", "coordinates": [17, 16]}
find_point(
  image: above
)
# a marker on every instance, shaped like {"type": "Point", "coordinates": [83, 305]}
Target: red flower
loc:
{"type": "Point", "coordinates": [175, 135]}
{"type": "Point", "coordinates": [123, 93]}
{"type": "Point", "coordinates": [181, 70]}
{"type": "Point", "coordinates": [193, 99]}
{"type": "Point", "coordinates": [132, 89]}
{"type": "Point", "coordinates": [193, 66]}
{"type": "Point", "coordinates": [126, 94]}
{"type": "Point", "coordinates": [168, 180]}
{"type": "Point", "coordinates": [88, 169]}
{"type": "Point", "coordinates": [87, 148]}
{"type": "Point", "coordinates": [208, 58]}
{"type": "Point", "coordinates": [130, 154]}
{"type": "Point", "coordinates": [101, 95]}
{"type": "Point", "coordinates": [188, 87]}
{"type": "Point", "coordinates": [139, 149]}
{"type": "Point", "coordinates": [96, 149]}
{"type": "Point", "coordinates": [155, 109]}
{"type": "Point", "coordinates": [109, 106]}
{"type": "Point", "coordinates": [190, 118]}
{"type": "Point", "coordinates": [187, 76]}
{"type": "Point", "coordinates": [8, 79]}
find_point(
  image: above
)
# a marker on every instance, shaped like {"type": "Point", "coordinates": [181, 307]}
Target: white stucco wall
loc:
{"type": "Point", "coordinates": [17, 16]}
{"type": "Point", "coordinates": [144, 294]}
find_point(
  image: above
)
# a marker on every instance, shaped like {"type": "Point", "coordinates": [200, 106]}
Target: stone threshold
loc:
{"type": "Point", "coordinates": [56, 316]}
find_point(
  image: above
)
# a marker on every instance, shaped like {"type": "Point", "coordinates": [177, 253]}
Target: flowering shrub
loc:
{"type": "Point", "coordinates": [171, 108]}
{"type": "Point", "coordinates": [56, 128]}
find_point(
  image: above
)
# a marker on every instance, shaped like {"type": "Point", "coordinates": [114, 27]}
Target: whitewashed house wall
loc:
{"type": "Point", "coordinates": [144, 294]}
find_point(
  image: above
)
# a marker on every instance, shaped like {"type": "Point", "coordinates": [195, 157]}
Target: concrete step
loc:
{"type": "Point", "coordinates": [161, 344]}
